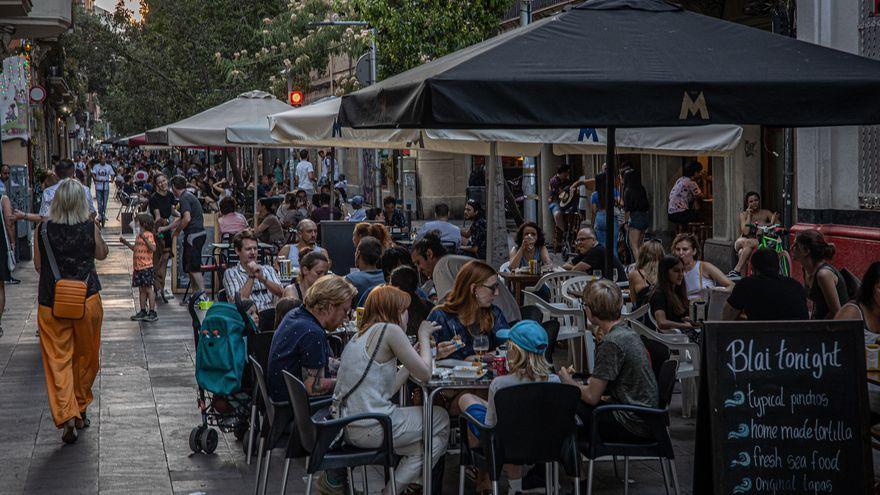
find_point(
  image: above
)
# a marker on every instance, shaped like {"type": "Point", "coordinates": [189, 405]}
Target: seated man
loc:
{"type": "Point", "coordinates": [307, 234]}
{"type": "Point", "coordinates": [766, 295]}
{"type": "Point", "coordinates": [300, 343]}
{"type": "Point", "coordinates": [622, 370]}
{"type": "Point", "coordinates": [369, 275]}
{"type": "Point", "coordinates": [591, 256]}
{"type": "Point", "coordinates": [253, 281]}
{"type": "Point", "coordinates": [449, 233]}
{"type": "Point", "coordinates": [752, 215]}
{"type": "Point", "coordinates": [394, 218]}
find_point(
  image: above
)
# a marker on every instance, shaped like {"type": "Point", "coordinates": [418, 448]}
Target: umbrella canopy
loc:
{"type": "Point", "coordinates": [626, 63]}
{"type": "Point", "coordinates": [208, 128]}
{"type": "Point", "coordinates": [316, 125]}
{"type": "Point", "coordinates": [133, 140]}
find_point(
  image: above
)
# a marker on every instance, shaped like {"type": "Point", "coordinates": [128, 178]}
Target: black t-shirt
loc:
{"type": "Point", "coordinates": [165, 204]}
{"type": "Point", "coordinates": [595, 257]}
{"type": "Point", "coordinates": [764, 297]}
{"type": "Point", "coordinates": [659, 301]}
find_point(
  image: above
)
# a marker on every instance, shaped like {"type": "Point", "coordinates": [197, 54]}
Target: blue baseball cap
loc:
{"type": "Point", "coordinates": [357, 201]}
{"type": "Point", "coordinates": [527, 334]}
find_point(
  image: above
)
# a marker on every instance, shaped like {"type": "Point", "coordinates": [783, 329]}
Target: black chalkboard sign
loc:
{"type": "Point", "coordinates": [788, 407]}
{"type": "Point", "coordinates": [336, 239]}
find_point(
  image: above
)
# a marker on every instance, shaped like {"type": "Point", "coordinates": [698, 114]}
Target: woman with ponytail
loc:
{"type": "Point", "coordinates": [825, 285]}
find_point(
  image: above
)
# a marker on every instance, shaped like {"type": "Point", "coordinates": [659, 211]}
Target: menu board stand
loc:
{"type": "Point", "coordinates": [783, 408]}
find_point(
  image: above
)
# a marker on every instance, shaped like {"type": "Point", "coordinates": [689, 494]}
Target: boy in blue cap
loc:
{"type": "Point", "coordinates": [525, 364]}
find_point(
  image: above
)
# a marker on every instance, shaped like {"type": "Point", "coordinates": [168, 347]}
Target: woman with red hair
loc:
{"type": "Point", "coordinates": [368, 377]}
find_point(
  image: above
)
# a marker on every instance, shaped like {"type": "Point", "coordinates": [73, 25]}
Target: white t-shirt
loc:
{"type": "Point", "coordinates": [80, 165]}
{"type": "Point", "coordinates": [583, 197]}
{"type": "Point", "coordinates": [303, 169]}
{"type": "Point", "coordinates": [103, 172]}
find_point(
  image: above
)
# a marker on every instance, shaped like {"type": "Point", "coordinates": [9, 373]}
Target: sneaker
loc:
{"type": "Point", "coordinates": [139, 316]}
{"type": "Point", "coordinates": [734, 274]}
{"type": "Point", "coordinates": [151, 316]}
{"type": "Point", "coordinates": [13, 281]}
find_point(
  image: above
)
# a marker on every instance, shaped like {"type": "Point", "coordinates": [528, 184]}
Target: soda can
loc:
{"type": "Point", "coordinates": [499, 366]}
{"type": "Point", "coordinates": [533, 267]}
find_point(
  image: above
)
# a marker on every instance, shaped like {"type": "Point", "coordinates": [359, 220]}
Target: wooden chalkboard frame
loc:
{"type": "Point", "coordinates": [849, 333]}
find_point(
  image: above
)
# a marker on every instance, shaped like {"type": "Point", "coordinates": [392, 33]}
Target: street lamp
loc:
{"type": "Point", "coordinates": [377, 183]}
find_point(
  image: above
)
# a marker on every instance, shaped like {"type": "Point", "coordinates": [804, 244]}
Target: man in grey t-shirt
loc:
{"type": "Point", "coordinates": [191, 223]}
{"type": "Point", "coordinates": [622, 369]}
{"type": "Point", "coordinates": [449, 234]}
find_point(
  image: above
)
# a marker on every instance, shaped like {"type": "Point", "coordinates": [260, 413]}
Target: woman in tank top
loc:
{"type": "Point", "coordinates": [866, 305]}
{"type": "Point", "coordinates": [368, 378]}
{"type": "Point", "coordinates": [698, 275]}
{"type": "Point", "coordinates": [825, 285]}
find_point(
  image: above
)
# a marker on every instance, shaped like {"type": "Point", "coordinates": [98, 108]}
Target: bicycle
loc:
{"type": "Point", "coordinates": [771, 237]}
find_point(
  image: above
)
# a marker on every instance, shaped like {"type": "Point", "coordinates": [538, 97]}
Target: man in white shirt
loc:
{"type": "Point", "coordinates": [253, 281]}
{"type": "Point", "coordinates": [305, 173]}
{"type": "Point", "coordinates": [329, 162]}
{"type": "Point", "coordinates": [102, 173]}
{"type": "Point", "coordinates": [65, 169]}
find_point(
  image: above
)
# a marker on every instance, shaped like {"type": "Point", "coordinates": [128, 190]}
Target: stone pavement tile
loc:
{"type": "Point", "coordinates": [145, 482]}
{"type": "Point", "coordinates": [13, 473]}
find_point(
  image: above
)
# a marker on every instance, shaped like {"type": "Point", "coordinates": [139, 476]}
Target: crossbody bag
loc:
{"type": "Point", "coordinates": [70, 294]}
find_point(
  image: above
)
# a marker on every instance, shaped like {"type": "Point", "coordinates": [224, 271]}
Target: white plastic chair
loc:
{"type": "Point", "coordinates": [572, 324]}
{"type": "Point", "coordinates": [688, 357]}
{"type": "Point", "coordinates": [554, 281]}
{"type": "Point", "coordinates": [575, 285]}
{"type": "Point", "coordinates": [717, 297]}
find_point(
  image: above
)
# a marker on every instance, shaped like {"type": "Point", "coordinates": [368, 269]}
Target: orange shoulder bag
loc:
{"type": "Point", "coordinates": [70, 294]}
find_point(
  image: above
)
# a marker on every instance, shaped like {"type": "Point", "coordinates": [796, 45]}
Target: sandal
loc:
{"type": "Point", "coordinates": [68, 435]}
{"type": "Point", "coordinates": [83, 422]}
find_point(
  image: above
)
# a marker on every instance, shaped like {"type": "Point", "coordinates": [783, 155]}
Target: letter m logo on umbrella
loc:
{"type": "Point", "coordinates": [693, 106]}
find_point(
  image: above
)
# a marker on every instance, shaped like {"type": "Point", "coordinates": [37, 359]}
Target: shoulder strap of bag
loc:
{"type": "Point", "coordinates": [345, 397]}
{"type": "Point", "coordinates": [50, 256]}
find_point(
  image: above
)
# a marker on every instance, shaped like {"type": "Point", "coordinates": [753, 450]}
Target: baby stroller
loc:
{"type": "Point", "coordinates": [221, 356]}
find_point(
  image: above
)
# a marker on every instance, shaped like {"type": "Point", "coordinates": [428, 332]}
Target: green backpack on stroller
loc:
{"type": "Point", "coordinates": [221, 353]}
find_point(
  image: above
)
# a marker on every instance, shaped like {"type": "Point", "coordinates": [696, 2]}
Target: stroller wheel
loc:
{"type": "Point", "coordinates": [194, 435]}
{"type": "Point", "coordinates": [208, 440]}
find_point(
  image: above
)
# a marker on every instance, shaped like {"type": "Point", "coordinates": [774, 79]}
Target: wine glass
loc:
{"type": "Point", "coordinates": [481, 345]}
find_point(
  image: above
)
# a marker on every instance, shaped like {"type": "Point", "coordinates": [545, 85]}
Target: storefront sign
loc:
{"type": "Point", "coordinates": [15, 85]}
{"type": "Point", "coordinates": [788, 407]}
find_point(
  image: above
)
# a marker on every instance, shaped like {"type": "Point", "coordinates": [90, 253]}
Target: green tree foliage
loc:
{"type": "Point", "coordinates": [162, 68]}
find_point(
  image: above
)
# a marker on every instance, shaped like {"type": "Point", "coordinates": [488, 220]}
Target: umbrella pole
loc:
{"type": "Point", "coordinates": [256, 182]}
{"type": "Point", "coordinates": [490, 208]}
{"type": "Point", "coordinates": [610, 221]}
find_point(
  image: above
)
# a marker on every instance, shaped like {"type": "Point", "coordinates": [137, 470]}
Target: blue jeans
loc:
{"type": "Point", "coordinates": [601, 227]}
{"type": "Point", "coordinates": [102, 196]}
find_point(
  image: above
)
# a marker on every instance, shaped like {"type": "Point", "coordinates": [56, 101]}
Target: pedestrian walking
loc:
{"type": "Point", "coordinates": [102, 174]}
{"type": "Point", "coordinates": [68, 244]}
{"type": "Point", "coordinates": [7, 246]}
{"type": "Point", "coordinates": [191, 223]}
{"type": "Point", "coordinates": [142, 259]}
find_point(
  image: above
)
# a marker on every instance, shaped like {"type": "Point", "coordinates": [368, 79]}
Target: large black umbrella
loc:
{"type": "Point", "coordinates": [626, 63]}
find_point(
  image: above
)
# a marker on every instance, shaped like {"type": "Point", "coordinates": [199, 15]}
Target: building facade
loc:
{"type": "Point", "coordinates": [838, 168]}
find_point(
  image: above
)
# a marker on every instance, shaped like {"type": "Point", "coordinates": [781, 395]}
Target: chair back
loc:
{"type": "Point", "coordinates": [536, 424]}
{"type": "Point", "coordinates": [265, 400]}
{"type": "Point", "coordinates": [553, 281]}
{"type": "Point", "coordinates": [258, 346]}
{"type": "Point", "coordinates": [851, 281]}
{"type": "Point", "coordinates": [302, 413]}
{"type": "Point", "coordinates": [717, 297]}
{"type": "Point", "coordinates": [573, 287]}
{"type": "Point", "coordinates": [666, 382]}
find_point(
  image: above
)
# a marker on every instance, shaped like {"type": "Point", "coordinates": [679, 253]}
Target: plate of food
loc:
{"type": "Point", "coordinates": [470, 372]}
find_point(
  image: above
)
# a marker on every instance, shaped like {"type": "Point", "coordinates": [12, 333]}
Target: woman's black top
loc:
{"type": "Point", "coordinates": [636, 199]}
{"type": "Point", "coordinates": [74, 248]}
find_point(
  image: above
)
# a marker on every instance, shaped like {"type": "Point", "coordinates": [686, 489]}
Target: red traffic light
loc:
{"type": "Point", "coordinates": [295, 98]}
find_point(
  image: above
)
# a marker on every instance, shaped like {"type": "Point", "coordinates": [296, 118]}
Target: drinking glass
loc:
{"type": "Point", "coordinates": [597, 273]}
{"type": "Point", "coordinates": [614, 276]}
{"type": "Point", "coordinates": [481, 345]}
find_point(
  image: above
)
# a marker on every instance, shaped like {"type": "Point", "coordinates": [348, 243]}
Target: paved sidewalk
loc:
{"type": "Point", "coordinates": [145, 406]}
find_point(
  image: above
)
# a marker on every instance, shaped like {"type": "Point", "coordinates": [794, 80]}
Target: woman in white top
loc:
{"type": "Point", "coordinates": [866, 305]}
{"type": "Point", "coordinates": [698, 275]}
{"type": "Point", "coordinates": [373, 355]}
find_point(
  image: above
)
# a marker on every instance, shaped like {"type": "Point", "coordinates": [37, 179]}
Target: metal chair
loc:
{"type": "Point", "coordinates": [660, 445]}
{"type": "Point", "coordinates": [318, 435]}
{"type": "Point", "coordinates": [518, 439]}
{"type": "Point", "coordinates": [273, 423]}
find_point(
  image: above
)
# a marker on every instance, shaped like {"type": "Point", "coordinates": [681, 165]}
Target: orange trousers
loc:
{"type": "Point", "coordinates": [71, 358]}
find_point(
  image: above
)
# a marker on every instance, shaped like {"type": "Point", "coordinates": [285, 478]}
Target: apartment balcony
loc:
{"type": "Point", "coordinates": [14, 8]}
{"type": "Point", "coordinates": [46, 20]}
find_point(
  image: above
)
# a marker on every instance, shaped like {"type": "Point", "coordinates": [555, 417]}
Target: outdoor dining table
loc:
{"type": "Point", "coordinates": [516, 282]}
{"type": "Point", "coordinates": [874, 377]}
{"type": "Point", "coordinates": [429, 390]}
